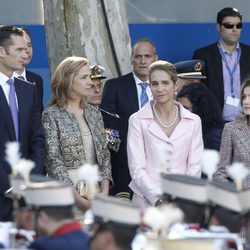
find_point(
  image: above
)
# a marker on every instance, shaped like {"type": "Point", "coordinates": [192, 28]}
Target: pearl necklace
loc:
{"type": "Point", "coordinates": [161, 122]}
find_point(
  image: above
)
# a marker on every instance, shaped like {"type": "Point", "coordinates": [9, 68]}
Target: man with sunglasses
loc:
{"type": "Point", "coordinates": [227, 62]}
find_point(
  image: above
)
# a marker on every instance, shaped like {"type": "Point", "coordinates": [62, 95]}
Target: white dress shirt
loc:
{"type": "Point", "coordinates": [139, 90]}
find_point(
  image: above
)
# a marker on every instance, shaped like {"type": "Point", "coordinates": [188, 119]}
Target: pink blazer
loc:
{"type": "Point", "coordinates": [151, 151]}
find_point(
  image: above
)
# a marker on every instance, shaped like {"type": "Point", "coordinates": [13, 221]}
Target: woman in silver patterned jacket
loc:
{"type": "Point", "coordinates": [73, 129]}
{"type": "Point", "coordinates": [235, 142]}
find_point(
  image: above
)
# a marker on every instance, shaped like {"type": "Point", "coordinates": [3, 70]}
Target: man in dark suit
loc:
{"type": "Point", "coordinates": [19, 116]}
{"type": "Point", "coordinates": [227, 62]}
{"type": "Point", "coordinates": [29, 75]}
{"type": "Point", "coordinates": [122, 97]}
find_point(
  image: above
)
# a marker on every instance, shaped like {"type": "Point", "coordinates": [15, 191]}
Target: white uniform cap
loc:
{"type": "Point", "coordinates": [111, 209]}
{"type": "Point", "coordinates": [226, 195]}
{"type": "Point", "coordinates": [185, 187]}
{"type": "Point", "coordinates": [49, 194]}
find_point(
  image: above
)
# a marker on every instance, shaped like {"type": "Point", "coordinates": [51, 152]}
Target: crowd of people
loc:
{"type": "Point", "coordinates": [146, 131]}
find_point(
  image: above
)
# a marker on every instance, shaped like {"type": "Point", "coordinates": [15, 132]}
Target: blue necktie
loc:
{"type": "Point", "coordinates": [13, 106]}
{"type": "Point", "coordinates": [144, 96]}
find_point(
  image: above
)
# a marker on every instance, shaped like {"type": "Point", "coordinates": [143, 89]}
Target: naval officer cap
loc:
{"type": "Point", "coordinates": [114, 210]}
{"type": "Point", "coordinates": [97, 72]}
{"type": "Point", "coordinates": [190, 69]}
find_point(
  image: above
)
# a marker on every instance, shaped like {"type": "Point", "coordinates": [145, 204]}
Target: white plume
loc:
{"type": "Point", "coordinates": [209, 160]}
{"type": "Point", "coordinates": [154, 218]}
{"type": "Point", "coordinates": [87, 180]}
{"type": "Point", "coordinates": [238, 172]}
{"type": "Point", "coordinates": [172, 215]}
{"type": "Point", "coordinates": [24, 167]}
{"type": "Point", "coordinates": [161, 218]}
{"type": "Point", "coordinates": [88, 173]}
{"type": "Point", "coordinates": [12, 155]}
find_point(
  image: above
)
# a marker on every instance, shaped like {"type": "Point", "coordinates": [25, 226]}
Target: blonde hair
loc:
{"type": "Point", "coordinates": [62, 80]}
{"type": "Point", "coordinates": [164, 66]}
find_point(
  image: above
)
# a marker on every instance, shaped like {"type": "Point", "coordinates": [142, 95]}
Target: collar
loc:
{"type": "Point", "coordinates": [241, 121]}
{"type": "Point", "coordinates": [138, 80]}
{"type": "Point", "coordinates": [147, 112]}
{"type": "Point", "coordinates": [23, 75]}
{"type": "Point", "coordinates": [223, 49]}
{"type": "Point", "coordinates": [67, 228]}
{"type": "Point", "coordinates": [195, 227]}
{"type": "Point", "coordinates": [3, 78]}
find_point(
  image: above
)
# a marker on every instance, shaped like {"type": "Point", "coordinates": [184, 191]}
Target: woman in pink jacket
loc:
{"type": "Point", "coordinates": [162, 137]}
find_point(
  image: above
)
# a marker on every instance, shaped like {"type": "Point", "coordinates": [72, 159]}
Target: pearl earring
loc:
{"type": "Point", "coordinates": [175, 92]}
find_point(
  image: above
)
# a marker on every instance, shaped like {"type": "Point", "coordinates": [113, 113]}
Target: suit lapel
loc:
{"type": "Point", "coordinates": [243, 135]}
{"type": "Point", "coordinates": [179, 130]}
{"type": "Point", "coordinates": [22, 98]}
{"type": "Point", "coordinates": [244, 63]}
{"type": "Point", "coordinates": [6, 115]}
{"type": "Point", "coordinates": [155, 130]}
{"type": "Point", "coordinates": [131, 93]}
{"type": "Point", "coordinates": [217, 62]}
{"type": "Point", "coordinates": [158, 132]}
{"type": "Point", "coordinates": [218, 69]}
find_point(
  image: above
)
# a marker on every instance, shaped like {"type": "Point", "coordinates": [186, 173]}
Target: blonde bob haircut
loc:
{"type": "Point", "coordinates": [166, 66]}
{"type": "Point", "coordinates": [62, 80]}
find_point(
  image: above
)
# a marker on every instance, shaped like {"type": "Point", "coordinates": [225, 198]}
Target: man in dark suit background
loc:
{"type": "Point", "coordinates": [23, 125]}
{"type": "Point", "coordinates": [227, 62]}
{"type": "Point", "coordinates": [123, 96]}
{"type": "Point", "coordinates": [30, 76]}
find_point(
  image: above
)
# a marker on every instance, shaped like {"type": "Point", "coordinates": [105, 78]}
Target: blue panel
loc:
{"type": "Point", "coordinates": [177, 42]}
{"type": "Point", "coordinates": [40, 58]}
{"type": "Point", "coordinates": [44, 73]}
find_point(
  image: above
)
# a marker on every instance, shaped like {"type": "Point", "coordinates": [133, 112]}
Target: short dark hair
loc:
{"type": "Point", "coordinates": [228, 11]}
{"type": "Point", "coordinates": [5, 35]}
{"type": "Point", "coordinates": [193, 212]}
{"type": "Point", "coordinates": [27, 31]}
{"type": "Point", "coordinates": [204, 103]}
{"type": "Point", "coordinates": [123, 234]}
{"type": "Point", "coordinates": [58, 213]}
{"type": "Point", "coordinates": [228, 218]}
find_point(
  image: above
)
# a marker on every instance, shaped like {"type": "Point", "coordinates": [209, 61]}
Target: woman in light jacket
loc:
{"type": "Point", "coordinates": [163, 137]}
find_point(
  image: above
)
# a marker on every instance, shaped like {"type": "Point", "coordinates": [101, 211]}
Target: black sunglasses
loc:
{"type": "Point", "coordinates": [231, 25]}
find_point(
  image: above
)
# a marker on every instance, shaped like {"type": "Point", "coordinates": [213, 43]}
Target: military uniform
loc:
{"type": "Point", "coordinates": [69, 236]}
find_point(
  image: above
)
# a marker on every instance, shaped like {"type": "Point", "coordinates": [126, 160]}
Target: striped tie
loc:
{"type": "Point", "coordinates": [144, 96]}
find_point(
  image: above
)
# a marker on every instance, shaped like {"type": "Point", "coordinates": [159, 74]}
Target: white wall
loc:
{"type": "Point", "coordinates": [182, 11]}
{"type": "Point", "coordinates": [21, 12]}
